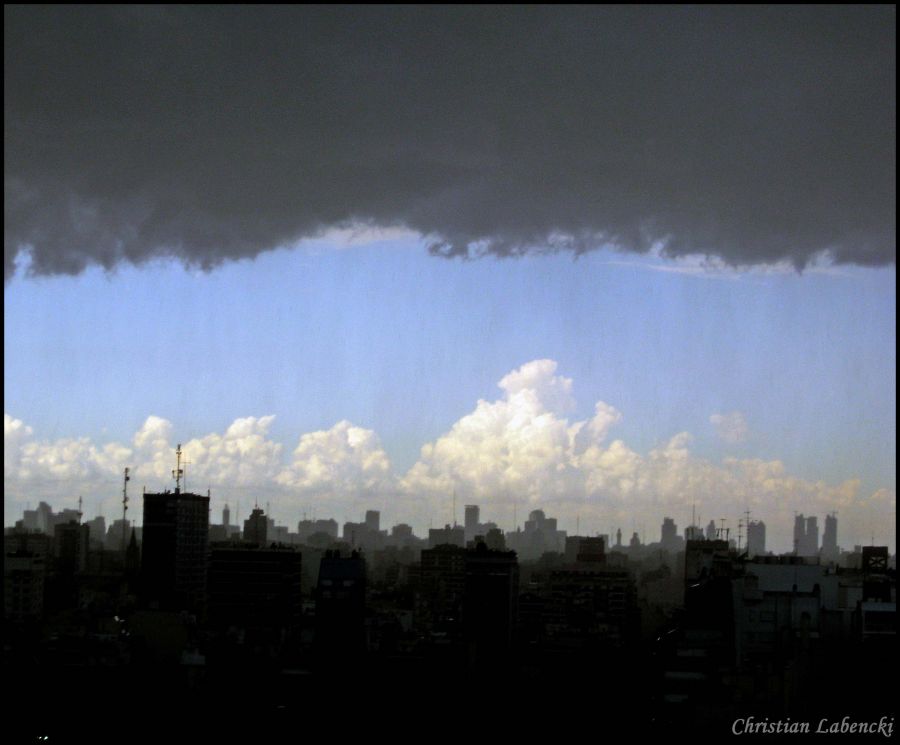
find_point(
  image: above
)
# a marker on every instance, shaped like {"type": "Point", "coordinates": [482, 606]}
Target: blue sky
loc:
{"type": "Point", "coordinates": [433, 334]}
{"type": "Point", "coordinates": [396, 341]}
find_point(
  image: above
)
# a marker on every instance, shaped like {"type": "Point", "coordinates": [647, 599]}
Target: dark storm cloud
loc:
{"type": "Point", "coordinates": [211, 133]}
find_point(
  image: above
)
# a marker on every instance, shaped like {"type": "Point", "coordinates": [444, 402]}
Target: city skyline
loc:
{"type": "Point", "coordinates": [612, 263]}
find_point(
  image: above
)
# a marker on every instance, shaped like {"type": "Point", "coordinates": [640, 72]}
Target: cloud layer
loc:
{"type": "Point", "coordinates": [755, 134]}
{"type": "Point", "coordinates": [518, 452]}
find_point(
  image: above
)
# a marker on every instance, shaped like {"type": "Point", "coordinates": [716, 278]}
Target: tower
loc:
{"type": "Point", "coordinates": [756, 538]}
{"type": "Point", "coordinates": [472, 517]}
{"type": "Point", "coordinates": [799, 534]}
{"type": "Point", "coordinates": [174, 547]}
{"type": "Point", "coordinates": [812, 537]}
{"type": "Point", "coordinates": [255, 527]}
{"type": "Point", "coordinates": [830, 550]}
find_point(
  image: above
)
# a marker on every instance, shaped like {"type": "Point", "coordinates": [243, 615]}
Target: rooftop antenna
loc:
{"type": "Point", "coordinates": [184, 473]}
{"type": "Point", "coordinates": [124, 507]}
{"type": "Point", "coordinates": [693, 514]}
{"type": "Point", "coordinates": [454, 507]}
{"type": "Point", "coordinates": [577, 529]}
{"type": "Point", "coordinates": [178, 472]}
{"type": "Point", "coordinates": [79, 508]}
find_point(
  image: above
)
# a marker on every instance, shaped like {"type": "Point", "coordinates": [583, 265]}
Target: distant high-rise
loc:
{"type": "Point", "coordinates": [472, 514]}
{"type": "Point", "coordinates": [256, 528]}
{"type": "Point", "coordinates": [449, 536]}
{"type": "Point", "coordinates": [373, 520]}
{"type": "Point", "coordinates": [693, 533]}
{"type": "Point", "coordinates": [670, 540]}
{"type": "Point", "coordinates": [756, 538]}
{"type": "Point", "coordinates": [806, 536]}
{"type": "Point", "coordinates": [812, 536]}
{"type": "Point", "coordinates": [174, 550]}
{"type": "Point", "coordinates": [711, 530]}
{"type": "Point", "coordinates": [98, 530]}
{"type": "Point", "coordinates": [226, 516]}
{"type": "Point", "coordinates": [830, 550]}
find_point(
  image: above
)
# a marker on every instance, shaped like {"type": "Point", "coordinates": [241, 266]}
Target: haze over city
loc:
{"type": "Point", "coordinates": [613, 264]}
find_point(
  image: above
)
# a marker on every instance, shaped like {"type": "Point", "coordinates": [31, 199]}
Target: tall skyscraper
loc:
{"type": "Point", "coordinates": [490, 592]}
{"type": "Point", "coordinates": [669, 534]}
{"type": "Point", "coordinates": [472, 516]}
{"type": "Point", "coordinates": [174, 550]}
{"type": "Point", "coordinates": [756, 538]}
{"type": "Point", "coordinates": [373, 520]}
{"type": "Point", "coordinates": [256, 527]}
{"type": "Point", "coordinates": [830, 550]}
{"type": "Point", "coordinates": [806, 536]}
{"type": "Point", "coordinates": [812, 536]}
{"type": "Point", "coordinates": [799, 534]}
{"type": "Point", "coordinates": [340, 638]}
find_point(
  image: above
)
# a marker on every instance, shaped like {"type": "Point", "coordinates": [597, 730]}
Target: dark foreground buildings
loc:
{"type": "Point", "coordinates": [175, 543]}
{"type": "Point", "coordinates": [629, 640]}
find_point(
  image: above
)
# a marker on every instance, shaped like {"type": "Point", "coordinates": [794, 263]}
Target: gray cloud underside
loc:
{"type": "Point", "coordinates": [214, 133]}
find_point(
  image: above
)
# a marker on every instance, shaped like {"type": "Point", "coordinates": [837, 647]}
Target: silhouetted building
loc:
{"type": "Point", "coordinates": [24, 575]}
{"type": "Point", "coordinates": [367, 534]}
{"type": "Point", "coordinates": [256, 528]}
{"type": "Point", "coordinates": [440, 586]}
{"type": "Point", "coordinates": [489, 604]}
{"type": "Point", "coordinates": [450, 536]}
{"type": "Point", "coordinates": [589, 607]}
{"type": "Point", "coordinates": [669, 535]}
{"type": "Point", "coordinates": [812, 537]}
{"type": "Point", "coordinates": [373, 520]}
{"type": "Point", "coordinates": [590, 551]}
{"type": "Point", "coordinates": [255, 589]}
{"type": "Point", "coordinates": [711, 532]}
{"type": "Point", "coordinates": [806, 536]}
{"type": "Point", "coordinates": [97, 527]}
{"type": "Point", "coordinates": [538, 536]}
{"type": "Point", "coordinates": [401, 532]}
{"type": "Point", "coordinates": [117, 534]}
{"type": "Point", "coordinates": [693, 533]}
{"type": "Point", "coordinates": [174, 550]}
{"type": "Point", "coordinates": [326, 530]}
{"type": "Point", "coordinates": [495, 540]}
{"type": "Point", "coordinates": [830, 551]}
{"type": "Point", "coordinates": [471, 520]}
{"type": "Point", "coordinates": [71, 542]}
{"type": "Point", "coordinates": [40, 519]}
{"type": "Point", "coordinates": [32, 542]}
{"type": "Point", "coordinates": [756, 538]}
{"type": "Point", "coordinates": [340, 609]}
